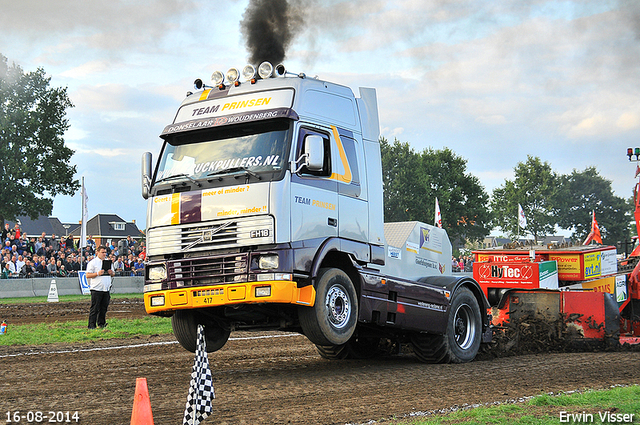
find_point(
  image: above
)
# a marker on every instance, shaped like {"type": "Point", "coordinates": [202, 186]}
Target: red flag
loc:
{"type": "Point", "coordinates": [595, 232]}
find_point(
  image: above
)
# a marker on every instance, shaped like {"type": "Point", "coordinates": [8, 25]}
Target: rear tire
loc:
{"type": "Point", "coordinates": [332, 319]}
{"type": "Point", "coordinates": [461, 341]}
{"type": "Point", "coordinates": [185, 328]}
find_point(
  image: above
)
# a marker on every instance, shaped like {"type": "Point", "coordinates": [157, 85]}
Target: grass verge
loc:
{"type": "Point", "coordinates": [61, 298]}
{"type": "Point", "coordinates": [593, 406]}
{"type": "Point", "coordinates": [76, 331]}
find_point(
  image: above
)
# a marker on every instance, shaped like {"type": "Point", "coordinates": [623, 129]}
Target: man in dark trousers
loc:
{"type": "Point", "coordinates": [99, 284]}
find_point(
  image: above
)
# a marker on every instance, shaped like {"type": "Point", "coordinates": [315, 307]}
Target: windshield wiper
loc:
{"type": "Point", "coordinates": [176, 176]}
{"type": "Point", "coordinates": [235, 170]}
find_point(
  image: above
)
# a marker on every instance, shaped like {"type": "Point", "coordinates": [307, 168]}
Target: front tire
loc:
{"type": "Point", "coordinates": [185, 328]}
{"type": "Point", "coordinates": [332, 319]}
{"type": "Point", "coordinates": [461, 341]}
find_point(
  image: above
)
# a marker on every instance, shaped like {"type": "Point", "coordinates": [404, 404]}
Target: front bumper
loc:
{"type": "Point", "coordinates": [280, 291]}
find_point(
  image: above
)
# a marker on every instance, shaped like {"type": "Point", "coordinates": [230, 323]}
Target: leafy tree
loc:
{"type": "Point", "coordinates": [401, 177]}
{"type": "Point", "coordinates": [413, 180]}
{"type": "Point", "coordinates": [582, 192]}
{"type": "Point", "coordinates": [535, 188]}
{"type": "Point", "coordinates": [34, 160]}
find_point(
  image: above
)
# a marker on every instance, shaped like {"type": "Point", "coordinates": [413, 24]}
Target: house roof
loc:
{"type": "Point", "coordinates": [502, 241]}
{"type": "Point", "coordinates": [100, 225]}
{"type": "Point", "coordinates": [104, 226]}
{"type": "Point", "coordinates": [553, 239]}
{"type": "Point", "coordinates": [34, 228]}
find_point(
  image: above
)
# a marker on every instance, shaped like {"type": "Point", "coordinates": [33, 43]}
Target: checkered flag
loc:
{"type": "Point", "coordinates": [201, 390]}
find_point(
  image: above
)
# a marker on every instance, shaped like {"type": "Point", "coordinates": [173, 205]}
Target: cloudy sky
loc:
{"type": "Point", "coordinates": [494, 81]}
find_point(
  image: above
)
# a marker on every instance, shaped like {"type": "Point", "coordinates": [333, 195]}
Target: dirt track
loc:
{"type": "Point", "coordinates": [277, 379]}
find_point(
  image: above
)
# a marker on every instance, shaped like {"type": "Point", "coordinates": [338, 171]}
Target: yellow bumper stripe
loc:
{"type": "Point", "coordinates": [282, 292]}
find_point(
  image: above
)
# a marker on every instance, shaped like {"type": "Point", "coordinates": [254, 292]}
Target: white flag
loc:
{"type": "Point", "coordinates": [438, 215]}
{"type": "Point", "coordinates": [85, 217]}
{"type": "Point", "coordinates": [522, 220]}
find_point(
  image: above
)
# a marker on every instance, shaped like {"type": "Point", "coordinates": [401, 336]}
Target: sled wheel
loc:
{"type": "Point", "coordinates": [461, 341]}
{"type": "Point", "coordinates": [185, 328]}
{"type": "Point", "coordinates": [355, 348]}
{"type": "Point", "coordinates": [333, 352]}
{"type": "Point", "coordinates": [332, 319]}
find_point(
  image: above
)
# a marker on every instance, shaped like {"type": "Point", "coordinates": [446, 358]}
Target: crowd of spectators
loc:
{"type": "Point", "coordinates": [27, 257]}
{"type": "Point", "coordinates": [462, 264]}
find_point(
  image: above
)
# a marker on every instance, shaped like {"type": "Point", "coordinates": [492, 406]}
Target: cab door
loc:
{"type": "Point", "coordinates": [314, 193]}
{"type": "Point", "coordinates": [353, 215]}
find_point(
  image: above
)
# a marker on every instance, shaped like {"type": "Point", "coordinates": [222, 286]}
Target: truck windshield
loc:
{"type": "Point", "coordinates": [257, 147]}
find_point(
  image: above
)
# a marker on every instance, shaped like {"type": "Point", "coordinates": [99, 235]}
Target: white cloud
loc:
{"type": "Point", "coordinates": [494, 81]}
{"type": "Point", "coordinates": [391, 133]}
{"type": "Point", "coordinates": [629, 121]}
{"type": "Point", "coordinates": [492, 119]}
{"type": "Point", "coordinates": [87, 69]}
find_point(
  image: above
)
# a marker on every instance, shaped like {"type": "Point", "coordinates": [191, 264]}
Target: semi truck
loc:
{"type": "Point", "coordinates": [265, 212]}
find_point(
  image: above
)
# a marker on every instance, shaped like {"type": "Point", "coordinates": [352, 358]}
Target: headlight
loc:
{"type": "Point", "coordinates": [268, 262]}
{"type": "Point", "coordinates": [263, 291]}
{"type": "Point", "coordinates": [248, 72]}
{"type": "Point", "coordinates": [152, 287]}
{"type": "Point", "coordinates": [217, 78]}
{"type": "Point", "coordinates": [157, 301]}
{"type": "Point", "coordinates": [265, 70]}
{"type": "Point", "coordinates": [157, 273]}
{"type": "Point", "coordinates": [232, 75]}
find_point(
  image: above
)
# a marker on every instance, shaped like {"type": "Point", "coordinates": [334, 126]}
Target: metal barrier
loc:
{"type": "Point", "coordinates": [39, 287]}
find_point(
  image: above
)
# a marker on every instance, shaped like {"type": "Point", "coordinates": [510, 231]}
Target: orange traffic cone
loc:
{"type": "Point", "coordinates": [141, 414]}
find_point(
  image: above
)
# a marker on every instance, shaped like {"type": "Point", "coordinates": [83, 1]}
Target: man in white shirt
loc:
{"type": "Point", "coordinates": [19, 263]}
{"type": "Point", "coordinates": [99, 284]}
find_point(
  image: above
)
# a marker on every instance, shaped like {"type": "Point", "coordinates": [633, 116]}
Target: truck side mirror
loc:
{"type": "Point", "coordinates": [312, 154]}
{"type": "Point", "coordinates": [146, 174]}
{"type": "Point", "coordinates": [314, 148]}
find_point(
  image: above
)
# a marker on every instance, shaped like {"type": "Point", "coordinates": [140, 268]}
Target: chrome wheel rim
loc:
{"type": "Point", "coordinates": [338, 306]}
{"type": "Point", "coordinates": [464, 331]}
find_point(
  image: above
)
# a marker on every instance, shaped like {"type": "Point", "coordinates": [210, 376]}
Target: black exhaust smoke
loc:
{"type": "Point", "coordinates": [269, 27]}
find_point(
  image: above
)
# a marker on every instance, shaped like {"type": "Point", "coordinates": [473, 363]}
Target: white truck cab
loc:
{"type": "Point", "coordinates": [265, 211]}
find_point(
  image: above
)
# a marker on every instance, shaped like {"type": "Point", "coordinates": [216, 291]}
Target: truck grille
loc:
{"type": "Point", "coordinates": [211, 235]}
{"type": "Point", "coordinates": [207, 271]}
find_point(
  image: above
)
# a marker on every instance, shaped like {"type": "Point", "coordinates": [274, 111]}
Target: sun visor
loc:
{"type": "Point", "coordinates": [232, 110]}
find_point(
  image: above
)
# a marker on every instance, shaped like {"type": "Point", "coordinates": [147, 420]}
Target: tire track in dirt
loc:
{"type": "Point", "coordinates": [283, 380]}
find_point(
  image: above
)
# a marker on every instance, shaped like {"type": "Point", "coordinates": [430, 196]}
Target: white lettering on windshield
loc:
{"type": "Point", "coordinates": [213, 166]}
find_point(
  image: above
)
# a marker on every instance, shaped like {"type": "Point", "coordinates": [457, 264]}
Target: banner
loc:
{"type": "Point", "coordinates": [438, 215]}
{"type": "Point", "coordinates": [84, 284]}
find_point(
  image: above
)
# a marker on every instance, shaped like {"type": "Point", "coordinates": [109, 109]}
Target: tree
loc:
{"type": "Point", "coordinates": [535, 188]}
{"type": "Point", "coordinates": [401, 178]}
{"type": "Point", "coordinates": [34, 160]}
{"type": "Point", "coordinates": [413, 180]}
{"type": "Point", "coordinates": [582, 192]}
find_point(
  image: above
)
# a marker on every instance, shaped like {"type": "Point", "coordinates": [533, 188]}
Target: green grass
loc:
{"type": "Point", "coordinates": [76, 331]}
{"type": "Point", "coordinates": [545, 409]}
{"type": "Point", "coordinates": [61, 298]}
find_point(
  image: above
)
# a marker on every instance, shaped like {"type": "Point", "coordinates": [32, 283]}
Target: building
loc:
{"type": "Point", "coordinates": [106, 227]}
{"type": "Point", "coordinates": [103, 228]}
{"type": "Point", "coordinates": [34, 228]}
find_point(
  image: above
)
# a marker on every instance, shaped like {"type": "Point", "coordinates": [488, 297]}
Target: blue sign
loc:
{"type": "Point", "coordinates": [84, 284]}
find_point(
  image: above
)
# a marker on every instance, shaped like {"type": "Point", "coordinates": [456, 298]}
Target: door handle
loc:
{"type": "Point", "coordinates": [332, 222]}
